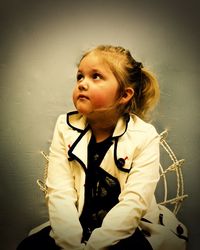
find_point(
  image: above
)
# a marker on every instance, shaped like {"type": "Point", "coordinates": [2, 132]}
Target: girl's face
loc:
{"type": "Point", "coordinates": [96, 88]}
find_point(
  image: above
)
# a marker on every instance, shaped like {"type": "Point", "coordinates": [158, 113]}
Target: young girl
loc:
{"type": "Point", "coordinates": [104, 159]}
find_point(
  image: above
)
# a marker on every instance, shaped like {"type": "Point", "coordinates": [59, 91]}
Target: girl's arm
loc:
{"type": "Point", "coordinates": [134, 200]}
{"type": "Point", "coordinates": [61, 195]}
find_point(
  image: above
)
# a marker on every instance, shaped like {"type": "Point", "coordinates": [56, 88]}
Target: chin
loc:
{"type": "Point", "coordinates": [83, 111]}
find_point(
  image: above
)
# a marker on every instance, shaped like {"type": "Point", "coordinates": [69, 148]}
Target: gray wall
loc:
{"type": "Point", "coordinates": [41, 42]}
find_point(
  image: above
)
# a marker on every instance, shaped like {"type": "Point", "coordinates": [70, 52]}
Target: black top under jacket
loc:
{"type": "Point", "coordinates": [101, 188]}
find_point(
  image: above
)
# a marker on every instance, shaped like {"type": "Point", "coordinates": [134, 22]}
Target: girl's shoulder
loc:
{"type": "Point", "coordinates": [142, 133]}
{"type": "Point", "coordinates": [137, 124]}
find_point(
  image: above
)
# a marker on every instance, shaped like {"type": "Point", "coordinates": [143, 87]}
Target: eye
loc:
{"type": "Point", "coordinates": [96, 76]}
{"type": "Point", "coordinates": [79, 77]}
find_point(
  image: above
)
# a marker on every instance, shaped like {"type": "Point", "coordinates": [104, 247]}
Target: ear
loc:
{"type": "Point", "coordinates": [128, 94]}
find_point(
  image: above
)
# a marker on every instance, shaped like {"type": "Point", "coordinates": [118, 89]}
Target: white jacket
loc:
{"type": "Point", "coordinates": [134, 141]}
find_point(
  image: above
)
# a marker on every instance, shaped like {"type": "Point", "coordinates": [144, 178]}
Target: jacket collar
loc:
{"type": "Point", "coordinates": [78, 122]}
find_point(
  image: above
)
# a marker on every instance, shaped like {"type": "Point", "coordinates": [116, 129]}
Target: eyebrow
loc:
{"type": "Point", "coordinates": [93, 70]}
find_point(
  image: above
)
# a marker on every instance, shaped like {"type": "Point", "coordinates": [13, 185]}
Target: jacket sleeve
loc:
{"type": "Point", "coordinates": [135, 198]}
{"type": "Point", "coordinates": [61, 195]}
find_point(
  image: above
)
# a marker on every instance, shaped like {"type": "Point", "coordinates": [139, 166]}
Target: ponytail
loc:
{"type": "Point", "coordinates": [145, 86]}
{"type": "Point", "coordinates": [145, 100]}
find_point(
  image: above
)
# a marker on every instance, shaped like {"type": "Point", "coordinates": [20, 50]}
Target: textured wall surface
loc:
{"type": "Point", "coordinates": [40, 44]}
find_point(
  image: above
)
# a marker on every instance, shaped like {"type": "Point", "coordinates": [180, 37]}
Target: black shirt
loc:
{"type": "Point", "coordinates": [101, 188]}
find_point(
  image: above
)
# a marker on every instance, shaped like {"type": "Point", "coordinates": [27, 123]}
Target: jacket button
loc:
{"type": "Point", "coordinates": [120, 162]}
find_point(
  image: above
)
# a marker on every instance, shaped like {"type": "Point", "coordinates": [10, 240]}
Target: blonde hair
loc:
{"type": "Point", "coordinates": [130, 73]}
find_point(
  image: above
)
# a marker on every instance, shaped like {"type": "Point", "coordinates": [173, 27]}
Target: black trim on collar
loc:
{"type": "Point", "coordinates": [69, 124]}
{"type": "Point", "coordinates": [127, 119]}
{"type": "Point", "coordinates": [119, 162]}
{"type": "Point", "coordinates": [73, 156]}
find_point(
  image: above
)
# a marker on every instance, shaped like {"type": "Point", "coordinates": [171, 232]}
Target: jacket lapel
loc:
{"type": "Point", "coordinates": [79, 150]}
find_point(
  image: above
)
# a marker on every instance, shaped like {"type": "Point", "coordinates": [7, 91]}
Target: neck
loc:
{"type": "Point", "coordinates": [103, 127]}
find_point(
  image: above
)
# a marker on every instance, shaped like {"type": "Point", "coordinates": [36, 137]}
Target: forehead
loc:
{"type": "Point", "coordinates": [94, 60]}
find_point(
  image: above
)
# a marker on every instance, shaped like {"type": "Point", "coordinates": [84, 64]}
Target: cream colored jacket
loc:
{"type": "Point", "coordinates": [134, 141]}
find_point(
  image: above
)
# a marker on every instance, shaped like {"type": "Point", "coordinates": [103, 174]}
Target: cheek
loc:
{"type": "Point", "coordinates": [102, 99]}
{"type": "Point", "coordinates": [74, 94]}
{"type": "Point", "coordinates": [99, 100]}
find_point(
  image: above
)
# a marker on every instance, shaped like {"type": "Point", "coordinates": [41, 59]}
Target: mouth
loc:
{"type": "Point", "coordinates": [82, 97]}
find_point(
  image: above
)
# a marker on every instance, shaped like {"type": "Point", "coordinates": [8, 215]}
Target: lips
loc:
{"type": "Point", "coordinates": [81, 96]}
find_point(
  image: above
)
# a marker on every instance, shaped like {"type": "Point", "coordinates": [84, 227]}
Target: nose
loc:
{"type": "Point", "coordinates": [83, 85]}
